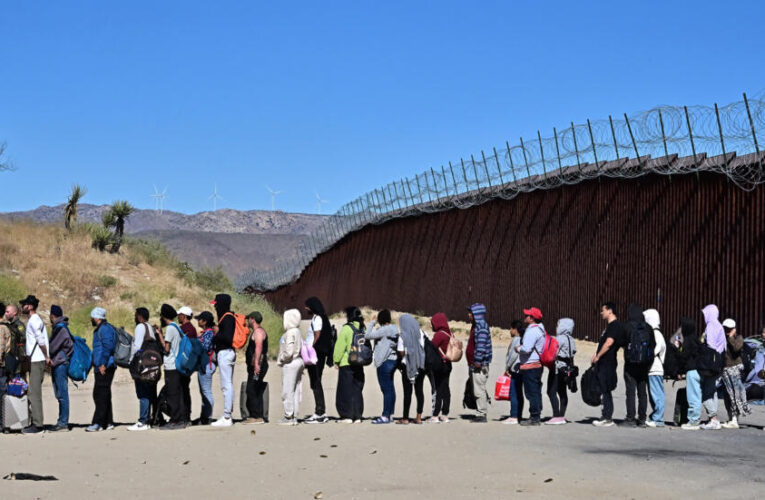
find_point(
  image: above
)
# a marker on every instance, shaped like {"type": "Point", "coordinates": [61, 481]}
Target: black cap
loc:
{"type": "Point", "coordinates": [30, 300]}
{"type": "Point", "coordinates": [256, 316]}
{"type": "Point", "coordinates": [207, 317]}
{"type": "Point", "coordinates": [167, 311]}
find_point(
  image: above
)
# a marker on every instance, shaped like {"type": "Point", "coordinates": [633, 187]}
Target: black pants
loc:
{"type": "Point", "coordinates": [102, 397]}
{"type": "Point", "coordinates": [442, 395]}
{"type": "Point", "coordinates": [635, 380]}
{"type": "Point", "coordinates": [314, 375]}
{"type": "Point", "coordinates": [255, 389]}
{"type": "Point", "coordinates": [418, 392]}
{"type": "Point", "coordinates": [175, 396]}
{"type": "Point", "coordinates": [556, 391]}
{"type": "Point", "coordinates": [186, 385]}
{"type": "Point", "coordinates": [349, 399]}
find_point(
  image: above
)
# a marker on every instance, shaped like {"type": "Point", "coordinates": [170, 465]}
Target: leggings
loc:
{"type": "Point", "coordinates": [442, 395]}
{"type": "Point", "coordinates": [556, 390]}
{"type": "Point", "coordinates": [314, 375]}
{"type": "Point", "coordinates": [417, 391]}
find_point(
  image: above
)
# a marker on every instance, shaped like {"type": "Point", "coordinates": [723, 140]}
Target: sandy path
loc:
{"type": "Point", "coordinates": [457, 460]}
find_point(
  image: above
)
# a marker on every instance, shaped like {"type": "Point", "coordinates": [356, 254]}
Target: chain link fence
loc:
{"type": "Point", "coordinates": [666, 140]}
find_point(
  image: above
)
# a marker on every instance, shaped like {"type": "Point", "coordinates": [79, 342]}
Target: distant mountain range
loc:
{"type": "Point", "coordinates": [235, 240]}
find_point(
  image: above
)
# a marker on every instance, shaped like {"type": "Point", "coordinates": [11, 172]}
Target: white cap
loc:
{"type": "Point", "coordinates": [98, 313]}
{"type": "Point", "coordinates": [729, 323]}
{"type": "Point", "coordinates": [186, 311]}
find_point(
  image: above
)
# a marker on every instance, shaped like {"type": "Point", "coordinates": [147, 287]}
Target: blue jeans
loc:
{"type": "Point", "coordinates": [385, 377]}
{"type": "Point", "coordinates": [60, 380]}
{"type": "Point", "coordinates": [516, 395]}
{"type": "Point", "coordinates": [205, 390]}
{"type": "Point", "coordinates": [709, 395]}
{"type": "Point", "coordinates": [693, 390]}
{"type": "Point", "coordinates": [147, 395]}
{"type": "Point", "coordinates": [532, 387]}
{"type": "Point", "coordinates": [656, 387]}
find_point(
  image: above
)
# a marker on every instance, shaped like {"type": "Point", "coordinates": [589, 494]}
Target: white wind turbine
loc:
{"type": "Point", "coordinates": [273, 197]}
{"type": "Point", "coordinates": [159, 199]}
{"type": "Point", "coordinates": [319, 202]}
{"type": "Point", "coordinates": [215, 197]}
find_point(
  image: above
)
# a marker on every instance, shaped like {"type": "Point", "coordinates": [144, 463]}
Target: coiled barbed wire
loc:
{"type": "Point", "coordinates": [664, 140]}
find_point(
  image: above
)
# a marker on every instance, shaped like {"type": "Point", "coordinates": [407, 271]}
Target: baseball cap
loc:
{"type": "Point", "coordinates": [256, 316]}
{"type": "Point", "coordinates": [534, 312]}
{"type": "Point", "coordinates": [206, 316]}
{"type": "Point", "coordinates": [186, 311]}
{"type": "Point", "coordinates": [729, 323]}
{"type": "Point", "coordinates": [98, 313]}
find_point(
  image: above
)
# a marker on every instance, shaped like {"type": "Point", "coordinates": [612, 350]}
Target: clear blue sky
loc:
{"type": "Point", "coordinates": [334, 97]}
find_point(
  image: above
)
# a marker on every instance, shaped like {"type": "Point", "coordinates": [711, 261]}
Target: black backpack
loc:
{"type": "Point", "coordinates": [591, 387]}
{"type": "Point", "coordinates": [709, 362]}
{"type": "Point", "coordinates": [433, 360]}
{"type": "Point", "coordinates": [469, 399]}
{"type": "Point", "coordinates": [360, 353]}
{"type": "Point", "coordinates": [639, 350]}
{"type": "Point", "coordinates": [146, 365]}
{"type": "Point", "coordinates": [672, 362]}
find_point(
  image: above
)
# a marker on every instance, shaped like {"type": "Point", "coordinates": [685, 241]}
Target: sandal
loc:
{"type": "Point", "coordinates": [403, 421]}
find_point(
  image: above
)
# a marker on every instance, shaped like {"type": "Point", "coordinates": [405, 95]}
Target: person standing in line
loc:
{"type": "Point", "coordinates": [61, 350]}
{"type": "Point", "coordinates": [224, 351]}
{"type": "Point", "coordinates": [146, 392]}
{"type": "Point", "coordinates": [690, 354]}
{"type": "Point", "coordinates": [442, 395]}
{"type": "Point", "coordinates": [606, 363]}
{"type": "Point", "coordinates": [292, 366]}
{"type": "Point", "coordinates": [513, 370]}
{"type": "Point", "coordinates": [385, 359]}
{"type": "Point", "coordinates": [205, 374]}
{"type": "Point", "coordinates": [714, 337]}
{"type": "Point", "coordinates": [557, 390]}
{"type": "Point", "coordinates": [185, 314]}
{"type": "Point", "coordinates": [320, 337]}
{"type": "Point", "coordinates": [349, 398]}
{"type": "Point", "coordinates": [656, 373]}
{"type": "Point", "coordinates": [479, 355]}
{"type": "Point", "coordinates": [104, 342]}
{"type": "Point", "coordinates": [256, 358]}
{"type": "Point", "coordinates": [37, 351]}
{"type": "Point", "coordinates": [529, 351]}
{"type": "Point", "coordinates": [5, 350]}
{"type": "Point", "coordinates": [636, 374]}
{"type": "Point", "coordinates": [411, 349]}
{"type": "Point", "coordinates": [736, 403]}
{"type": "Point", "coordinates": [17, 340]}
{"type": "Point", "coordinates": [171, 341]}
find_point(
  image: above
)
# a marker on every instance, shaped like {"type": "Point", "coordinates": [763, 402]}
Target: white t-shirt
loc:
{"type": "Point", "coordinates": [36, 333]}
{"type": "Point", "coordinates": [140, 333]}
{"type": "Point", "coordinates": [315, 326]}
{"type": "Point", "coordinates": [172, 337]}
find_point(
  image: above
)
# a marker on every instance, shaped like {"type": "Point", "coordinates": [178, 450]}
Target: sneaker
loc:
{"type": "Point", "coordinates": [59, 428]}
{"type": "Point", "coordinates": [642, 424]}
{"type": "Point", "coordinates": [32, 429]}
{"type": "Point", "coordinates": [650, 423]}
{"type": "Point", "coordinates": [172, 426]}
{"type": "Point", "coordinates": [287, 421]}
{"type": "Point", "coordinates": [627, 422]}
{"type": "Point", "coordinates": [532, 422]}
{"type": "Point", "coordinates": [223, 422]}
{"type": "Point", "coordinates": [110, 427]}
{"type": "Point", "coordinates": [433, 420]}
{"type": "Point", "coordinates": [316, 419]}
{"type": "Point", "coordinates": [139, 426]}
{"type": "Point", "coordinates": [730, 425]}
{"type": "Point", "coordinates": [510, 421]}
{"type": "Point", "coordinates": [358, 420]}
{"type": "Point", "coordinates": [690, 426]}
{"type": "Point", "coordinates": [712, 425]}
{"type": "Point", "coordinates": [93, 428]}
{"type": "Point", "coordinates": [444, 419]}
{"type": "Point", "coordinates": [381, 420]}
{"type": "Point", "coordinates": [603, 423]}
{"type": "Point", "coordinates": [556, 421]}
{"type": "Point", "coordinates": [345, 421]}
{"type": "Point", "coordinates": [479, 420]}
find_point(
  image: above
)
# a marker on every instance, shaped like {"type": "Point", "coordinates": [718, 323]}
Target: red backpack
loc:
{"type": "Point", "coordinates": [549, 352]}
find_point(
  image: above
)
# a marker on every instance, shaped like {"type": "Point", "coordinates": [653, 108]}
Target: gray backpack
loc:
{"type": "Point", "coordinates": [123, 343]}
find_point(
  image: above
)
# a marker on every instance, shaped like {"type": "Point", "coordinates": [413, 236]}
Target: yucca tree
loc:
{"type": "Point", "coordinates": [100, 236]}
{"type": "Point", "coordinates": [115, 217]}
{"type": "Point", "coordinates": [70, 210]}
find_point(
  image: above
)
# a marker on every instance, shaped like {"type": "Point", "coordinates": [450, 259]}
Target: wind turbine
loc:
{"type": "Point", "coordinates": [319, 203]}
{"type": "Point", "coordinates": [273, 197]}
{"type": "Point", "coordinates": [215, 197]}
{"type": "Point", "coordinates": [159, 199]}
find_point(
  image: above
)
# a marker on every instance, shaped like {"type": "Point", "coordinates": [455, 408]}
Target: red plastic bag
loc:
{"type": "Point", "coordinates": [502, 388]}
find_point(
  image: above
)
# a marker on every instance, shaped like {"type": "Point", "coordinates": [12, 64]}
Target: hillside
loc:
{"type": "Point", "coordinates": [63, 269]}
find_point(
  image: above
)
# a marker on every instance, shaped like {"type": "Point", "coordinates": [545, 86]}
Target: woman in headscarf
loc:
{"type": "Point", "coordinates": [411, 349]}
{"type": "Point", "coordinates": [441, 393]}
{"type": "Point", "coordinates": [714, 337]}
{"type": "Point", "coordinates": [350, 380]}
{"type": "Point", "coordinates": [320, 337]}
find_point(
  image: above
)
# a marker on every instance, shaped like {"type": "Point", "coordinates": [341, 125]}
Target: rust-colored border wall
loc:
{"type": "Point", "coordinates": [674, 243]}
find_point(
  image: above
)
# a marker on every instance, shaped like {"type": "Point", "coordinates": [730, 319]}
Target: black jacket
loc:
{"type": "Point", "coordinates": [225, 336]}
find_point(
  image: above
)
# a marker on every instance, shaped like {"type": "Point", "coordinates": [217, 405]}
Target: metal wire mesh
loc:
{"type": "Point", "coordinates": [664, 140]}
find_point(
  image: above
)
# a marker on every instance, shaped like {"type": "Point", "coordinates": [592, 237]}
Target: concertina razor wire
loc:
{"type": "Point", "coordinates": [665, 140]}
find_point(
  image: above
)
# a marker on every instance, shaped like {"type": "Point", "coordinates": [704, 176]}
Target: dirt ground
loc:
{"type": "Point", "coordinates": [454, 460]}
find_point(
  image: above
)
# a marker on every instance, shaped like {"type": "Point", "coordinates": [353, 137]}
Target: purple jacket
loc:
{"type": "Point", "coordinates": [714, 333]}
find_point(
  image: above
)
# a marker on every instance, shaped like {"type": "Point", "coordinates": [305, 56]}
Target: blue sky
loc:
{"type": "Point", "coordinates": [334, 97]}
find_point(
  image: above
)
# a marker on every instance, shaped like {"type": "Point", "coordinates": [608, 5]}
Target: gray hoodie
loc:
{"type": "Point", "coordinates": [566, 344]}
{"type": "Point", "coordinates": [386, 339]}
{"type": "Point", "coordinates": [513, 360]}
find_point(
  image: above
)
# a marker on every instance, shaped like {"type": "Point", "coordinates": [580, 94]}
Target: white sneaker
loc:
{"type": "Point", "coordinates": [690, 427]}
{"type": "Point", "coordinates": [287, 421]}
{"type": "Point", "coordinates": [712, 425]}
{"type": "Point", "coordinates": [316, 419]}
{"type": "Point", "coordinates": [433, 420]}
{"type": "Point", "coordinates": [510, 421]}
{"type": "Point", "coordinates": [443, 419]}
{"type": "Point", "coordinates": [730, 425]}
{"type": "Point", "coordinates": [223, 422]}
{"type": "Point", "coordinates": [345, 421]}
{"type": "Point", "coordinates": [650, 423]}
{"type": "Point", "coordinates": [138, 426]}
{"type": "Point", "coordinates": [603, 423]}
{"type": "Point", "coordinates": [358, 421]}
{"type": "Point", "coordinates": [556, 421]}
{"type": "Point", "coordinates": [110, 427]}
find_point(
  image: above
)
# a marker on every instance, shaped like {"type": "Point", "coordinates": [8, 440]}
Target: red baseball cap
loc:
{"type": "Point", "coordinates": [534, 312]}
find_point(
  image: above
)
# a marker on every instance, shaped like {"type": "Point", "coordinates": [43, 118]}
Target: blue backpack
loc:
{"type": "Point", "coordinates": [191, 356]}
{"type": "Point", "coordinates": [82, 360]}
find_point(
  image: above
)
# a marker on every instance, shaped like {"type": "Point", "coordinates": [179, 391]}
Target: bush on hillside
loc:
{"type": "Point", "coordinates": [11, 290]}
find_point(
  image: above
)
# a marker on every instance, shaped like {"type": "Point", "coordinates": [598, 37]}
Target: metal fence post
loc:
{"type": "Point", "coordinates": [576, 148]}
{"type": "Point", "coordinates": [722, 140]}
{"type": "Point", "coordinates": [475, 173]}
{"type": "Point", "coordinates": [594, 150]}
{"type": "Point", "coordinates": [499, 167]}
{"type": "Point", "coordinates": [510, 157]}
{"type": "Point", "coordinates": [486, 167]}
{"type": "Point", "coordinates": [557, 151]}
{"type": "Point", "coordinates": [613, 134]}
{"type": "Point", "coordinates": [542, 152]}
{"type": "Point", "coordinates": [525, 159]}
{"type": "Point", "coordinates": [634, 144]}
{"type": "Point", "coordinates": [751, 125]}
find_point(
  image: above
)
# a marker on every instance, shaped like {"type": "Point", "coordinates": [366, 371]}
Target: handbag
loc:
{"type": "Point", "coordinates": [17, 387]}
{"type": "Point", "coordinates": [308, 353]}
{"type": "Point", "coordinates": [502, 388]}
{"type": "Point", "coordinates": [453, 350]}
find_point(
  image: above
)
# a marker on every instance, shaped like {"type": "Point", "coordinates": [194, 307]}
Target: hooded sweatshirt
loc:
{"type": "Point", "coordinates": [532, 344]}
{"type": "Point", "coordinates": [442, 334]}
{"type": "Point", "coordinates": [61, 343]}
{"type": "Point", "coordinates": [714, 333]}
{"type": "Point", "coordinates": [414, 356]}
{"type": "Point", "coordinates": [224, 339]}
{"type": "Point", "coordinates": [691, 344]}
{"type": "Point", "coordinates": [385, 339]}
{"type": "Point", "coordinates": [291, 341]}
{"type": "Point", "coordinates": [566, 344]}
{"type": "Point", "coordinates": [652, 318]}
{"type": "Point", "coordinates": [481, 336]}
